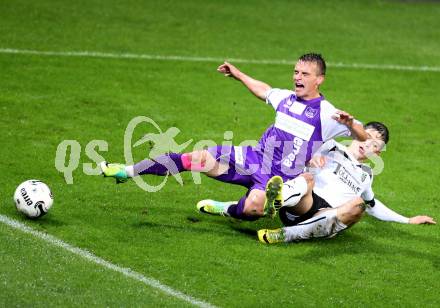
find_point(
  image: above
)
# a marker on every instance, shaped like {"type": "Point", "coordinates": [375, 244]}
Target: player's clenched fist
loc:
{"type": "Point", "coordinates": [228, 70]}
{"type": "Point", "coordinates": [344, 118]}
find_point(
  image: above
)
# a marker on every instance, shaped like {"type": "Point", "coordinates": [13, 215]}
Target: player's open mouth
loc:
{"type": "Point", "coordinates": [299, 85]}
{"type": "Point", "coordinates": [361, 150]}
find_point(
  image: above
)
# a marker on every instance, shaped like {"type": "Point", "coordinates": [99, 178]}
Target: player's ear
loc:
{"type": "Point", "coordinates": [320, 79]}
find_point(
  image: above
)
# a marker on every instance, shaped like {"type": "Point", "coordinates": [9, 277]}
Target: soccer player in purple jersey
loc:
{"type": "Point", "coordinates": [304, 120]}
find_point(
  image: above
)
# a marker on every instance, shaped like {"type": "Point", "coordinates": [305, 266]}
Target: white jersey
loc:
{"type": "Point", "coordinates": [342, 178]}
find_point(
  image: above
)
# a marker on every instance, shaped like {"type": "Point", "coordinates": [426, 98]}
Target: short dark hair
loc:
{"type": "Point", "coordinates": [381, 128]}
{"type": "Point", "coordinates": [316, 58]}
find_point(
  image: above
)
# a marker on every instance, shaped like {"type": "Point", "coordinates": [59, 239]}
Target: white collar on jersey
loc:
{"type": "Point", "coordinates": [344, 151]}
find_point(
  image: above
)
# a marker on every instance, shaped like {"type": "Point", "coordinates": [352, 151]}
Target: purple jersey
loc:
{"type": "Point", "coordinates": [284, 149]}
{"type": "Point", "coordinates": [289, 143]}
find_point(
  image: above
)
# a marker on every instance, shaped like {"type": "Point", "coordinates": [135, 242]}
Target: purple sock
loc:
{"type": "Point", "coordinates": [236, 211]}
{"type": "Point", "coordinates": [161, 165]}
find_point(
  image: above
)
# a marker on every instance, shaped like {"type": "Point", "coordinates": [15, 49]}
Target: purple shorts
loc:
{"type": "Point", "coordinates": [245, 166]}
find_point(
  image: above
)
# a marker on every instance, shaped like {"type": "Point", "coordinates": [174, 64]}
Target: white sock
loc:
{"type": "Point", "coordinates": [323, 225]}
{"type": "Point", "coordinates": [294, 190]}
{"type": "Point", "coordinates": [130, 171]}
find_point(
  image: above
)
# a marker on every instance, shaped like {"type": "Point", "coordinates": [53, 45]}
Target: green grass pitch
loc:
{"type": "Point", "coordinates": [47, 99]}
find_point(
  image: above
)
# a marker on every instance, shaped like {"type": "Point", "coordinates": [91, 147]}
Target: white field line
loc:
{"type": "Point", "coordinates": [97, 260]}
{"type": "Point", "coordinates": [93, 54]}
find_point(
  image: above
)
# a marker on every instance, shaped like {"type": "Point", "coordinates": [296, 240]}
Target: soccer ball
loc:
{"type": "Point", "coordinates": [33, 198]}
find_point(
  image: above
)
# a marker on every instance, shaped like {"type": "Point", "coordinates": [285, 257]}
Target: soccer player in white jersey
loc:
{"type": "Point", "coordinates": [337, 194]}
{"type": "Point", "coordinates": [304, 120]}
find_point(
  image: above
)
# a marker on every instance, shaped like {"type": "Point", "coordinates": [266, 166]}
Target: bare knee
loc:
{"type": "Point", "coordinates": [201, 161]}
{"type": "Point", "coordinates": [309, 180]}
{"type": "Point", "coordinates": [196, 156]}
{"type": "Point", "coordinates": [351, 212]}
{"type": "Point", "coordinates": [309, 177]}
{"type": "Point", "coordinates": [254, 204]}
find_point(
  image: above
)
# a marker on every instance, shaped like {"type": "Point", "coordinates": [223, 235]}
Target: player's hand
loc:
{"type": "Point", "coordinates": [419, 220]}
{"type": "Point", "coordinates": [343, 118]}
{"type": "Point", "coordinates": [317, 161]}
{"type": "Point", "coordinates": [228, 70]}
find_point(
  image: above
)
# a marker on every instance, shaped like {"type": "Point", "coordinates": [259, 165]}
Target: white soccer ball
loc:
{"type": "Point", "coordinates": [33, 198]}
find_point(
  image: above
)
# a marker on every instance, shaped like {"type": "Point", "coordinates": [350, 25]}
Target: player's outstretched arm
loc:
{"type": "Point", "coordinates": [357, 129]}
{"type": "Point", "coordinates": [258, 88]}
{"type": "Point", "coordinates": [382, 212]}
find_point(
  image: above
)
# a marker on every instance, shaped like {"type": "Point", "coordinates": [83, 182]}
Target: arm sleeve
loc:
{"type": "Point", "coordinates": [368, 195]}
{"type": "Point", "coordinates": [381, 212]}
{"type": "Point", "coordinates": [275, 96]}
{"type": "Point", "coordinates": [325, 147]}
{"type": "Point", "coordinates": [330, 127]}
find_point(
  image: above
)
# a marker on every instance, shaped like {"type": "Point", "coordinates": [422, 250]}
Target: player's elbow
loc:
{"type": "Point", "coordinates": [261, 93]}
